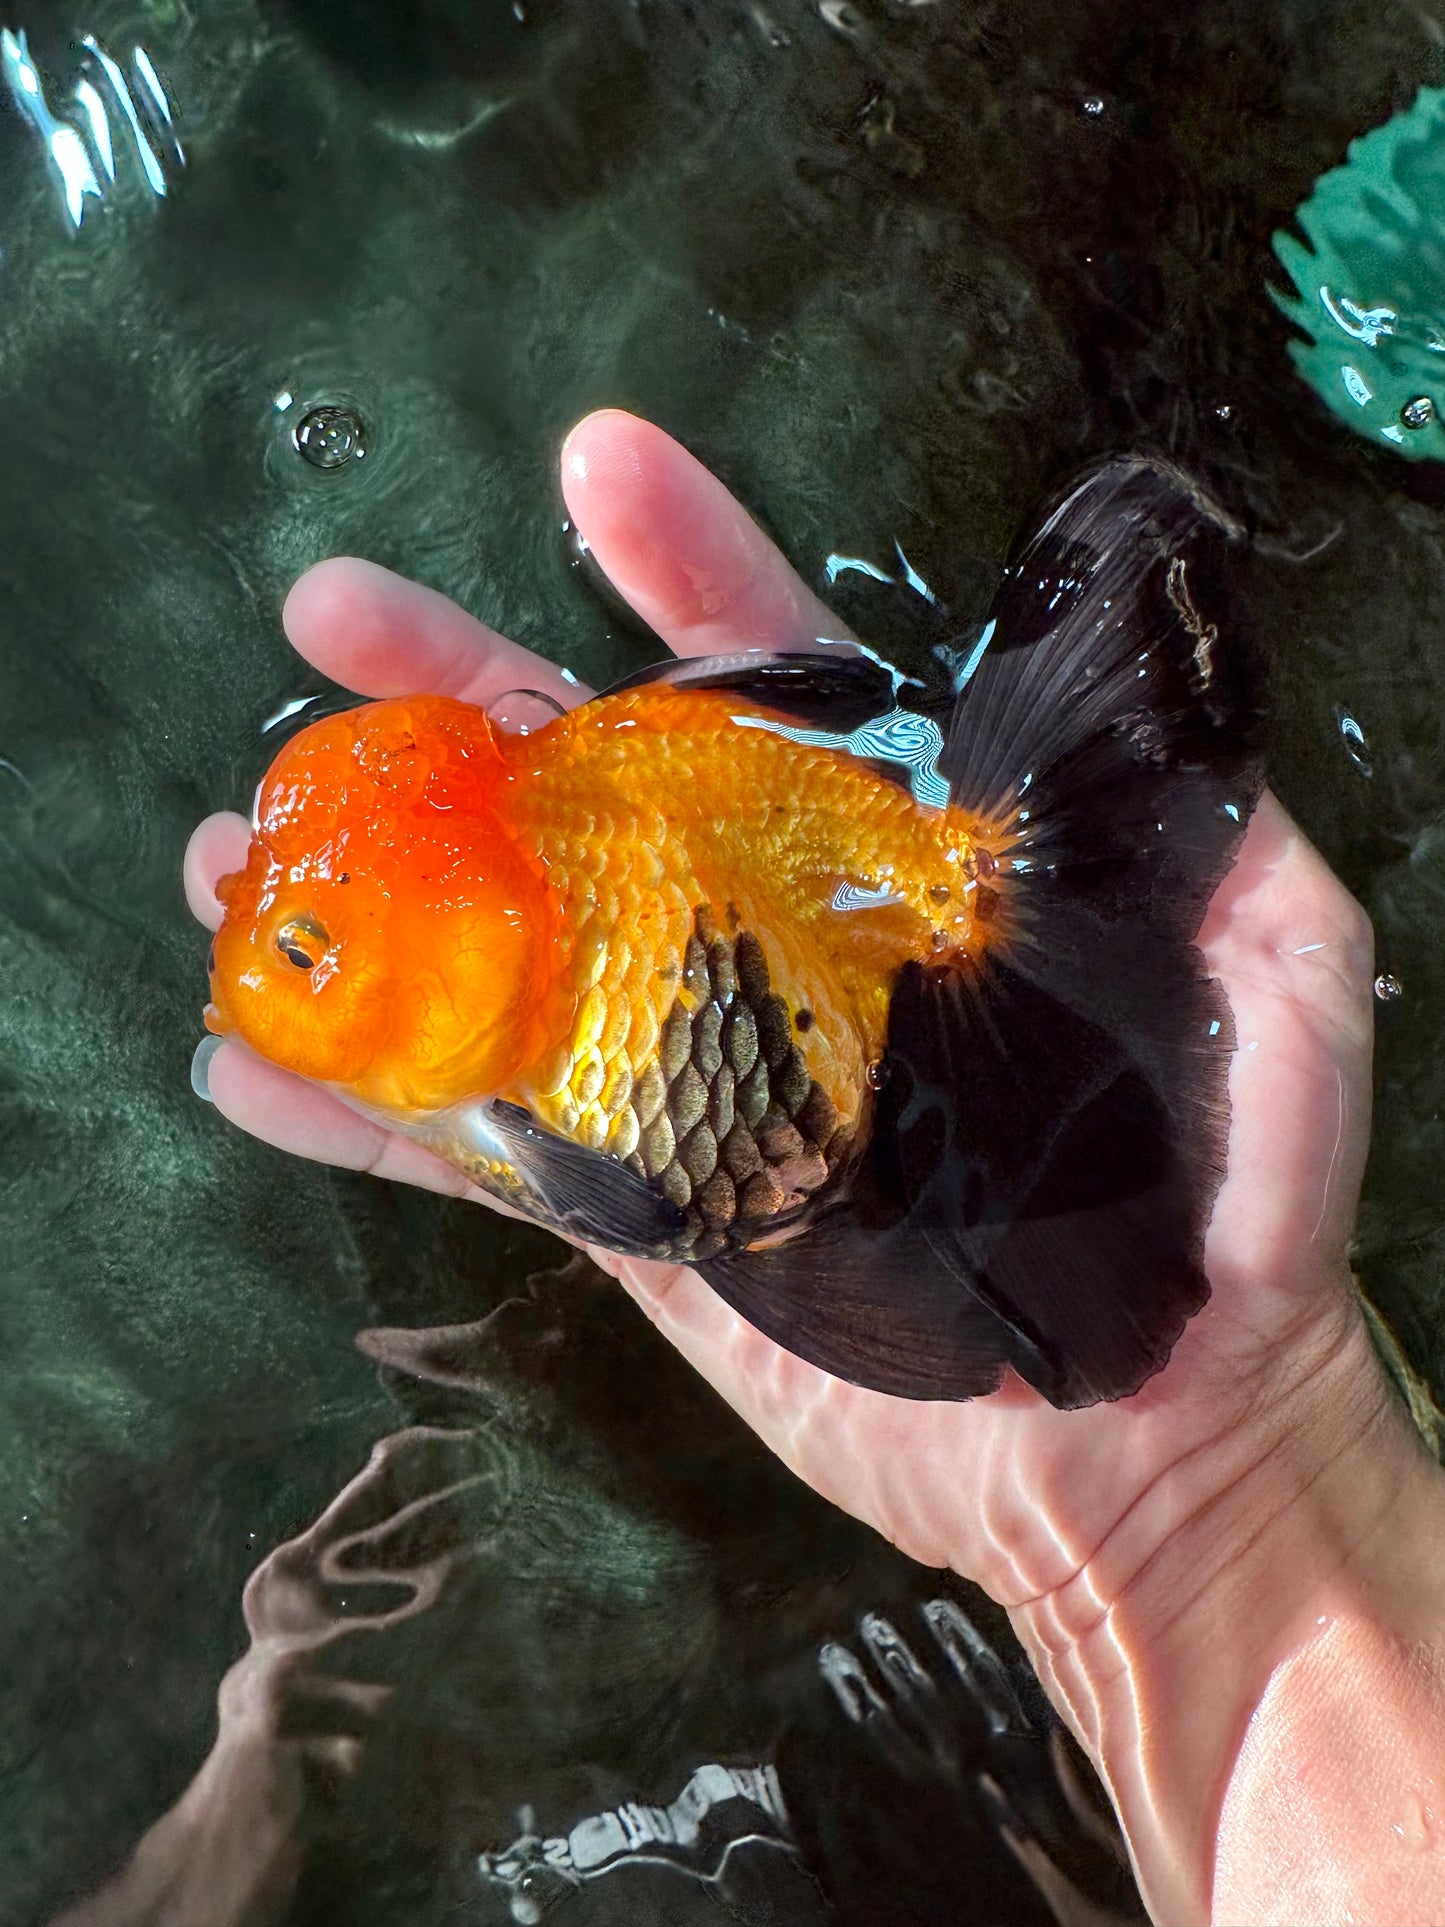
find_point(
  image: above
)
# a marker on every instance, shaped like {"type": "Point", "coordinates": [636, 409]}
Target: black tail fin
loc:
{"type": "Point", "coordinates": [1051, 1137]}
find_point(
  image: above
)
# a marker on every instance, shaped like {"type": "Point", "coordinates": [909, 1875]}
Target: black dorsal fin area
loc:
{"type": "Point", "coordinates": [1046, 1150]}
{"type": "Point", "coordinates": [849, 699]}
{"type": "Point", "coordinates": [840, 691]}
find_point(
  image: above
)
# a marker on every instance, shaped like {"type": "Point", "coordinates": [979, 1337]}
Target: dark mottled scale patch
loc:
{"type": "Point", "coordinates": [752, 967]}
{"type": "Point", "coordinates": [752, 1095]}
{"type": "Point", "coordinates": [706, 1044]}
{"type": "Point", "coordinates": [694, 966]}
{"type": "Point", "coordinates": [720, 1108]}
{"type": "Point", "coordinates": [674, 1045]}
{"type": "Point", "coordinates": [722, 971]}
{"type": "Point", "coordinates": [732, 1129]}
{"type": "Point", "coordinates": [740, 1039]}
{"type": "Point", "coordinates": [775, 1030]}
{"type": "Point", "coordinates": [657, 1145]}
{"type": "Point", "coordinates": [779, 1142]}
{"type": "Point", "coordinates": [791, 1083]}
{"type": "Point", "coordinates": [762, 1196]}
{"type": "Point", "coordinates": [739, 1152]}
{"type": "Point", "coordinates": [697, 1154]}
{"type": "Point", "coordinates": [649, 1093]}
{"type": "Point", "coordinates": [817, 1117]}
{"type": "Point", "coordinates": [807, 1174]}
{"type": "Point", "coordinates": [675, 1185]}
{"type": "Point", "coordinates": [687, 1100]}
{"type": "Point", "coordinates": [717, 1200]}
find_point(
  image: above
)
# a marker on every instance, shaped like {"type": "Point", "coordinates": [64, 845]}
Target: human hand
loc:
{"type": "Point", "coordinates": [1062, 1516]}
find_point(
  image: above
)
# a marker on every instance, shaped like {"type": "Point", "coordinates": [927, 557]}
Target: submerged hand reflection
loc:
{"type": "Point", "coordinates": [1123, 1537]}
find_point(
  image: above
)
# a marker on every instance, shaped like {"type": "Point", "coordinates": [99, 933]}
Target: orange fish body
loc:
{"type": "Point", "coordinates": [662, 926]}
{"type": "Point", "coordinates": [763, 966]}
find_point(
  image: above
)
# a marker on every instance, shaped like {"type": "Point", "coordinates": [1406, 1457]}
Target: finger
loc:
{"type": "Point", "coordinates": [217, 847]}
{"type": "Point", "coordinates": [691, 561]}
{"type": "Point", "coordinates": [1283, 922]}
{"type": "Point", "coordinates": [307, 1121]}
{"type": "Point", "coordinates": [381, 635]}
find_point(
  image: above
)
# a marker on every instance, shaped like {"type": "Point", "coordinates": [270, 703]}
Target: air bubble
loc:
{"type": "Point", "coordinates": [1092, 105]}
{"type": "Point", "coordinates": [1418, 412]}
{"type": "Point", "coordinates": [1388, 987]}
{"type": "Point", "coordinates": [330, 436]}
{"type": "Point", "coordinates": [1353, 738]}
{"type": "Point", "coordinates": [522, 712]}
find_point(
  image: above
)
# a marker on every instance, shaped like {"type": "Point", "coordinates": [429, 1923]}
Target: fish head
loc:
{"type": "Point", "coordinates": [388, 936]}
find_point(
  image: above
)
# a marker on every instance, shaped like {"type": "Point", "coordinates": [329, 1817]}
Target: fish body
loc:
{"type": "Point", "coordinates": [789, 969]}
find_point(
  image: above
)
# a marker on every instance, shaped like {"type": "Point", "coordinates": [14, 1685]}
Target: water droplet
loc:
{"type": "Point", "coordinates": [1388, 987]}
{"type": "Point", "coordinates": [1416, 1825]}
{"type": "Point", "coordinates": [1353, 738]}
{"type": "Point", "coordinates": [201, 1067]}
{"type": "Point", "coordinates": [939, 939]}
{"type": "Point", "coordinates": [1092, 105]}
{"type": "Point", "coordinates": [522, 712]}
{"type": "Point", "coordinates": [1224, 411]}
{"type": "Point", "coordinates": [330, 436]}
{"type": "Point", "coordinates": [1418, 412]}
{"type": "Point", "coordinates": [877, 1074]}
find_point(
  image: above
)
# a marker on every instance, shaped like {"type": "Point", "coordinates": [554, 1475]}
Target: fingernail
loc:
{"type": "Point", "coordinates": [201, 1067]}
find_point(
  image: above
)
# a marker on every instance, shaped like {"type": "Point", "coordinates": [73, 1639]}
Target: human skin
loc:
{"type": "Point", "coordinates": [1230, 1583]}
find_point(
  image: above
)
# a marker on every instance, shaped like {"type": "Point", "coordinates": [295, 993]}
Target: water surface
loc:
{"type": "Point", "coordinates": [895, 271]}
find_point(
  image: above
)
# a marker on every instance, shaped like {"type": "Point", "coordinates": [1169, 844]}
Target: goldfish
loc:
{"type": "Point", "coordinates": [878, 1003]}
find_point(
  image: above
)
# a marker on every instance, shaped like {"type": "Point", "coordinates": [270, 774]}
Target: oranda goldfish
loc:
{"type": "Point", "coordinates": [883, 1009]}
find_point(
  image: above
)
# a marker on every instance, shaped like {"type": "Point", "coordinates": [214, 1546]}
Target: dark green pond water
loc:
{"type": "Point", "coordinates": [895, 270]}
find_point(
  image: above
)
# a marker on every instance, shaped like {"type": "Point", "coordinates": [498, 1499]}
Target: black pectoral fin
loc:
{"type": "Point", "coordinates": [571, 1189]}
{"type": "Point", "coordinates": [1065, 1168]}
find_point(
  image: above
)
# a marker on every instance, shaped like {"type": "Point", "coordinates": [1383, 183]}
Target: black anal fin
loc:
{"type": "Point", "coordinates": [871, 1304]}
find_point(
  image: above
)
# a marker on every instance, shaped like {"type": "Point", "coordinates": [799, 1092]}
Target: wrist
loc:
{"type": "Point", "coordinates": [1311, 1500]}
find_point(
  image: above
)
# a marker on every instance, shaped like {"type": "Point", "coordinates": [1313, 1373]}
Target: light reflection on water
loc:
{"type": "Point", "coordinates": [142, 104]}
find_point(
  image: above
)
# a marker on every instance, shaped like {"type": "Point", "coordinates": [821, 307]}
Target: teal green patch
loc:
{"type": "Point", "coordinates": [1370, 287]}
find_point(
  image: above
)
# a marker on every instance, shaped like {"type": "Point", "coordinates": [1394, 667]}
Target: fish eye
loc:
{"type": "Point", "coordinates": [302, 942]}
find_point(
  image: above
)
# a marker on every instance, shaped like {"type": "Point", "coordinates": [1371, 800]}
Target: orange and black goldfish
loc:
{"type": "Point", "coordinates": [881, 1008]}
